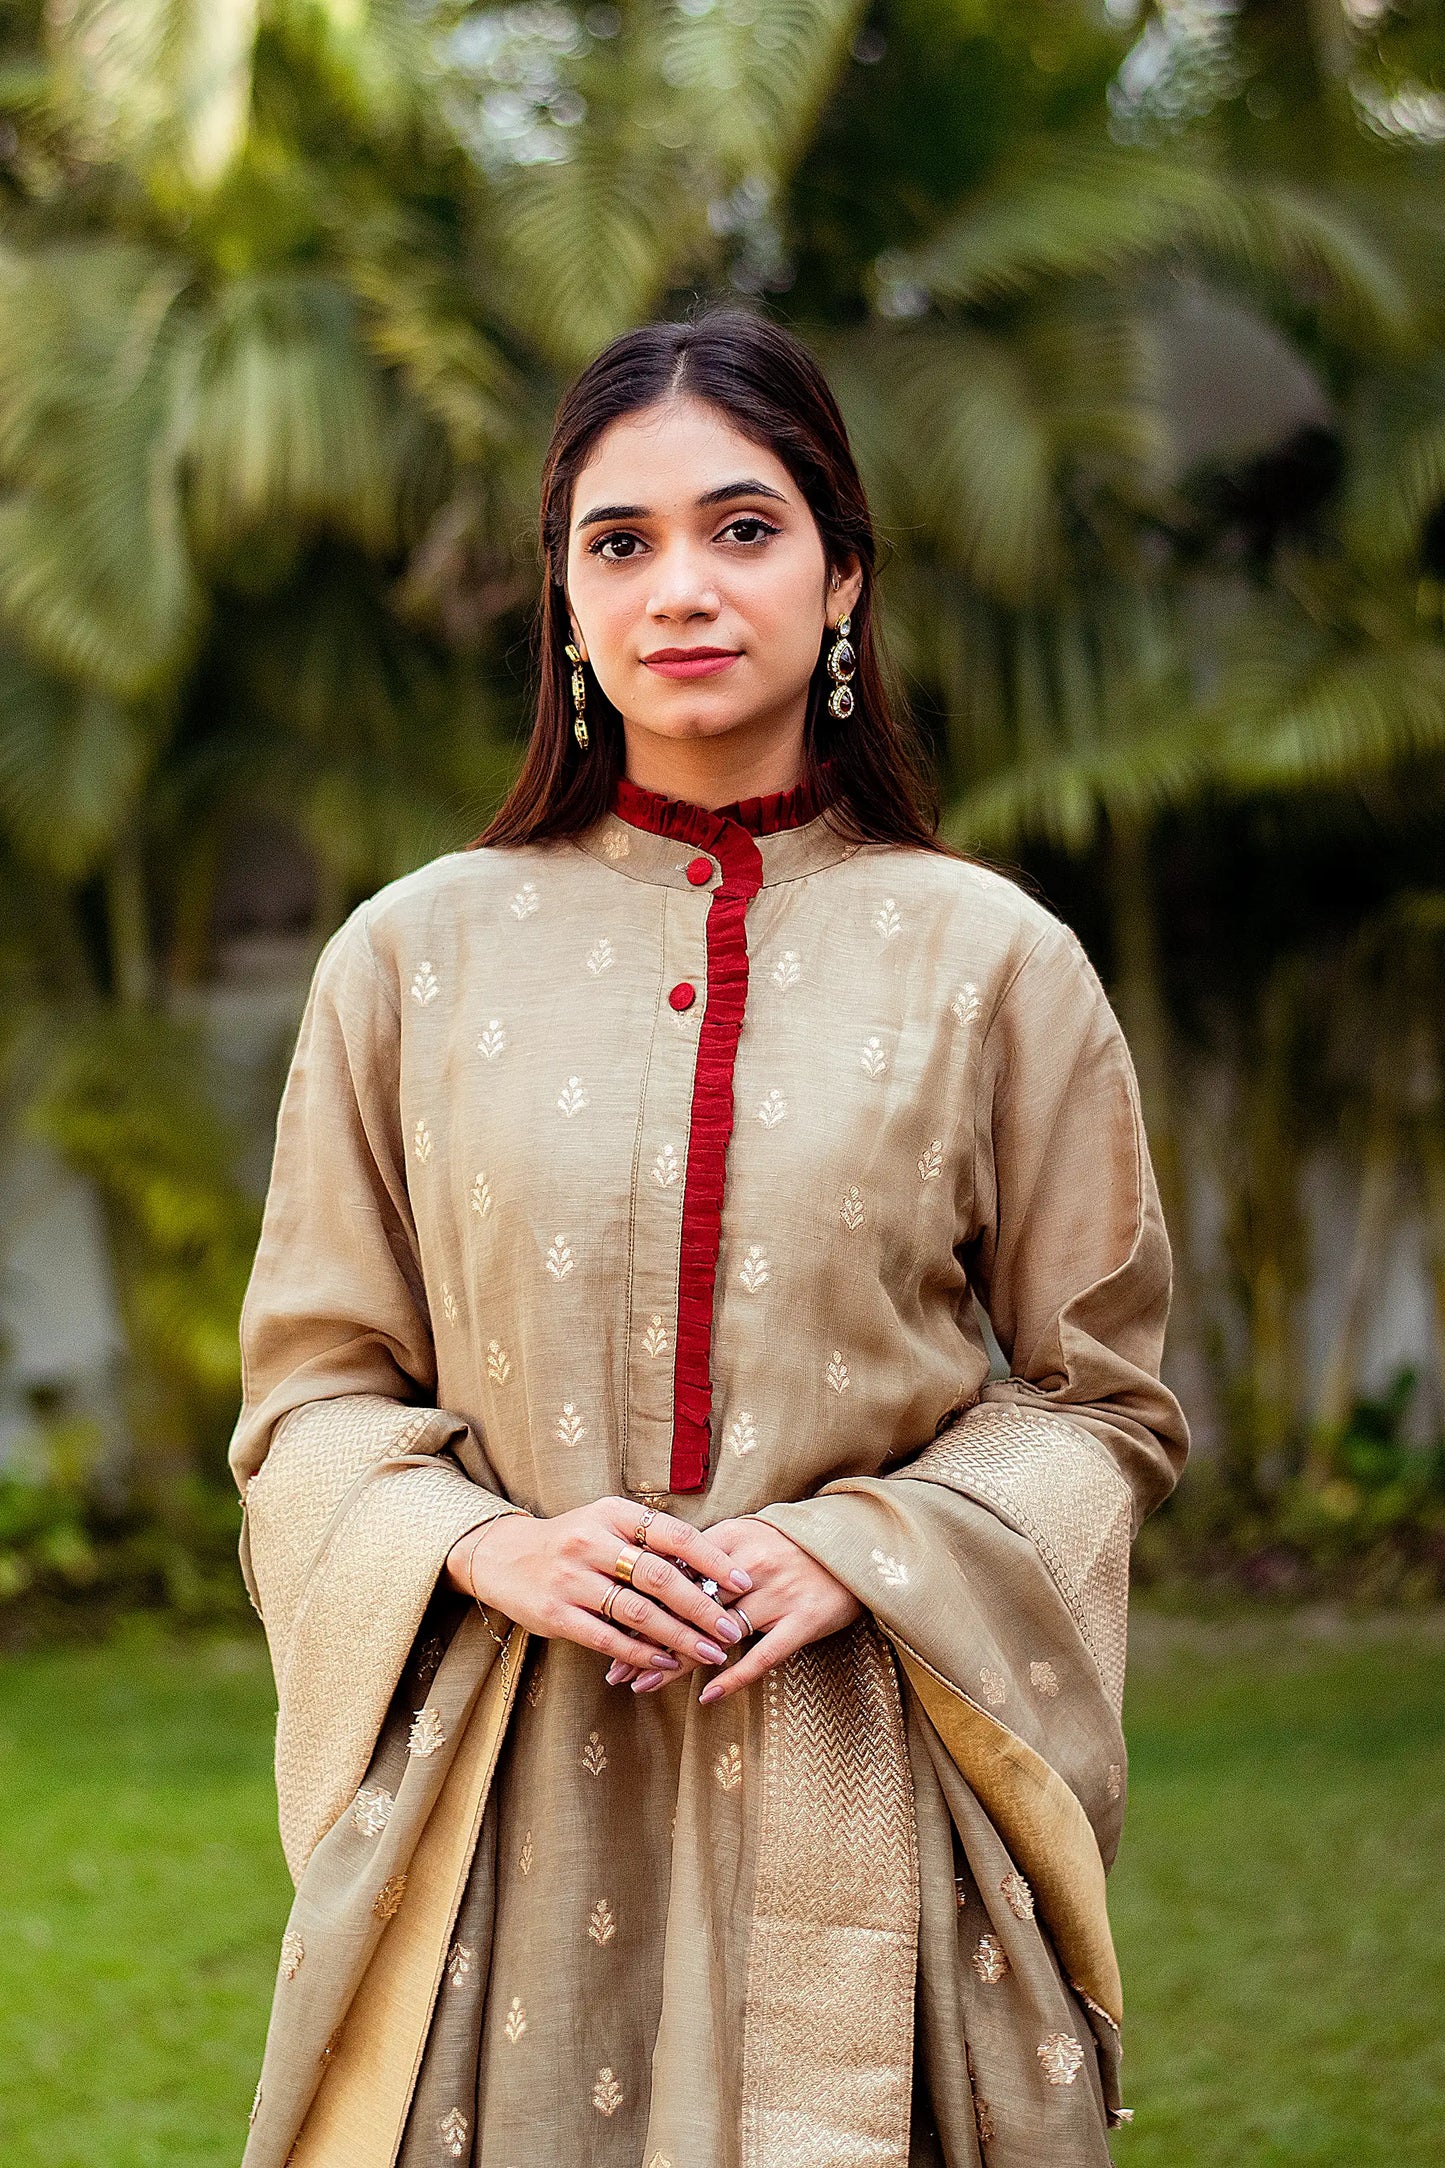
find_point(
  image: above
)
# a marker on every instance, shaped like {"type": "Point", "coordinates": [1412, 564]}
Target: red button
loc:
{"type": "Point", "coordinates": [683, 996]}
{"type": "Point", "coordinates": [699, 871]}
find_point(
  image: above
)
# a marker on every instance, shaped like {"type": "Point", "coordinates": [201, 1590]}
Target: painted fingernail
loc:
{"type": "Point", "coordinates": [711, 1693]}
{"type": "Point", "coordinates": [614, 1673]}
{"type": "Point", "coordinates": [666, 1663]}
{"type": "Point", "coordinates": [729, 1629]}
{"type": "Point", "coordinates": [649, 1679]}
{"type": "Point", "coordinates": [741, 1581]}
{"type": "Point", "coordinates": [711, 1653]}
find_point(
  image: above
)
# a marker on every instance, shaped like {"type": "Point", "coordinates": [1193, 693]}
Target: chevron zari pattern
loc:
{"type": "Point", "coordinates": [828, 2037]}
{"type": "Point", "coordinates": [1047, 1478]}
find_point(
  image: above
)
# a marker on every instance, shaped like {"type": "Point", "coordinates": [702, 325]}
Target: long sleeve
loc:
{"type": "Point", "coordinates": [356, 1485]}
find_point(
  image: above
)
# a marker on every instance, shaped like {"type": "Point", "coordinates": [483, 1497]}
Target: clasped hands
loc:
{"type": "Point", "coordinates": [552, 1574]}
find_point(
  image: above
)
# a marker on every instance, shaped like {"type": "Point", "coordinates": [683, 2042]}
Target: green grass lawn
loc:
{"type": "Point", "coordinates": [1280, 1900]}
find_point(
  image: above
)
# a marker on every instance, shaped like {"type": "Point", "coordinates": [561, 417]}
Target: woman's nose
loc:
{"type": "Point", "coordinates": [682, 584]}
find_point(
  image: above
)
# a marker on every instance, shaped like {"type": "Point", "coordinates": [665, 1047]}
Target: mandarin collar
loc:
{"type": "Point", "coordinates": [652, 838]}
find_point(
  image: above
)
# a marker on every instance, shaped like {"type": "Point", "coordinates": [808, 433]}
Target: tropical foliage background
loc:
{"type": "Point", "coordinates": [1138, 316]}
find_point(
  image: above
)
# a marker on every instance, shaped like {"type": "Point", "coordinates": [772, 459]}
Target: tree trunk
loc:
{"type": "Point", "coordinates": [1143, 1011]}
{"type": "Point", "coordinates": [128, 925]}
{"type": "Point", "coordinates": [1339, 1380]}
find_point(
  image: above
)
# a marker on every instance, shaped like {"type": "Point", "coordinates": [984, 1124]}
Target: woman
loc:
{"type": "Point", "coordinates": [699, 1670]}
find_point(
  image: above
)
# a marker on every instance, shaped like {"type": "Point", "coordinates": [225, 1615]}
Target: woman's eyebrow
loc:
{"type": "Point", "coordinates": [729, 490]}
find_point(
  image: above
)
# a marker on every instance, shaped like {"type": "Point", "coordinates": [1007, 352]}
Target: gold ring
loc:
{"type": "Point", "coordinates": [649, 1516]}
{"type": "Point", "coordinates": [609, 1600]}
{"type": "Point", "coordinates": [627, 1559]}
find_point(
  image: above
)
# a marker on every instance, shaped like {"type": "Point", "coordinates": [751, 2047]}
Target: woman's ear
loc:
{"type": "Point", "coordinates": [577, 640]}
{"type": "Point", "coordinates": [844, 587]}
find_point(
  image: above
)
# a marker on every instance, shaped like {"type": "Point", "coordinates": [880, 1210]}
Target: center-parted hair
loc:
{"type": "Point", "coordinates": [774, 393]}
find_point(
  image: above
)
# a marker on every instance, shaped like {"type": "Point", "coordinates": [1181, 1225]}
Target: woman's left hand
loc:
{"type": "Point", "coordinates": [793, 1601]}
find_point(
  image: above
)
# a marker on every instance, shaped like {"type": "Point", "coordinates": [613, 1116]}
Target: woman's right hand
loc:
{"type": "Point", "coordinates": [551, 1576]}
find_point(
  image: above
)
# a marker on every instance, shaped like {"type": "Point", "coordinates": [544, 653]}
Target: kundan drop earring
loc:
{"type": "Point", "coordinates": [842, 662]}
{"type": "Point", "coordinates": [579, 694]}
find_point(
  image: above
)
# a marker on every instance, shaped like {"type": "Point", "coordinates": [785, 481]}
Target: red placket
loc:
{"type": "Point", "coordinates": [728, 835]}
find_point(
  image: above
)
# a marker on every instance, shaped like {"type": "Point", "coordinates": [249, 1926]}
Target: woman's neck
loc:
{"type": "Point", "coordinates": [717, 771]}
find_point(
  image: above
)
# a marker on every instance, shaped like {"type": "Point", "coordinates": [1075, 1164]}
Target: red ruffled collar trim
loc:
{"type": "Point", "coordinates": [765, 816]}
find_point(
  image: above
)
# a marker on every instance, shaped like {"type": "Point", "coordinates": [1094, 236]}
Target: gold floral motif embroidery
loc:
{"type": "Point", "coordinates": [983, 2118]}
{"type": "Point", "coordinates": [422, 1142]}
{"type": "Point", "coordinates": [572, 1098]}
{"type": "Point", "coordinates": [995, 1686]}
{"type": "Point", "coordinates": [891, 1571]}
{"type": "Point", "coordinates": [989, 1961]}
{"type": "Point", "coordinates": [618, 844]}
{"type": "Point", "coordinates": [1114, 1782]}
{"type": "Point", "coordinates": [601, 1925]}
{"type": "Point", "coordinates": [481, 1196]}
{"type": "Point", "coordinates": [871, 1058]}
{"type": "Point", "coordinates": [601, 957]}
{"type": "Point", "coordinates": [424, 987]}
{"type": "Point", "coordinates": [255, 2106]}
{"type": "Point", "coordinates": [534, 1689]}
{"type": "Point", "coordinates": [452, 2130]}
{"type": "Point", "coordinates": [742, 1433]}
{"type": "Point", "coordinates": [728, 1768]}
{"type": "Point", "coordinates": [460, 1959]}
{"type": "Point", "coordinates": [450, 1305]}
{"type": "Point", "coordinates": [429, 1663]}
{"type": "Point", "coordinates": [1062, 2058]}
{"type": "Point", "coordinates": [773, 1110]}
{"type": "Point", "coordinates": [930, 1161]}
{"type": "Point", "coordinates": [525, 902]}
{"type": "Point", "coordinates": [654, 1340]}
{"type": "Point", "coordinates": [1045, 1680]}
{"type": "Point", "coordinates": [666, 1168]}
{"type": "Point", "coordinates": [594, 1754]}
{"type": "Point", "coordinates": [428, 1734]}
{"type": "Point", "coordinates": [524, 1857]}
{"type": "Point", "coordinates": [607, 2095]}
{"type": "Point", "coordinates": [966, 1004]}
{"type": "Point", "coordinates": [787, 970]}
{"type": "Point", "coordinates": [755, 1271]}
{"type": "Point", "coordinates": [659, 2160]}
{"type": "Point", "coordinates": [960, 1892]}
{"type": "Point", "coordinates": [387, 1901]}
{"type": "Point", "coordinates": [1018, 1896]}
{"type": "Point", "coordinates": [493, 1041]}
{"type": "Point", "coordinates": [850, 1212]}
{"type": "Point", "coordinates": [515, 2022]}
{"type": "Point", "coordinates": [499, 1363]}
{"type": "Point", "coordinates": [837, 1373]}
{"type": "Point", "coordinates": [293, 1954]}
{"type": "Point", "coordinates": [886, 920]}
{"type": "Point", "coordinates": [371, 1809]}
{"type": "Point", "coordinates": [571, 1429]}
{"type": "Point", "coordinates": [559, 1257]}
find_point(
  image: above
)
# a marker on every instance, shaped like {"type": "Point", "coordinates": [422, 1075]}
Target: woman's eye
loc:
{"type": "Point", "coordinates": [749, 528]}
{"type": "Point", "coordinates": [614, 549]}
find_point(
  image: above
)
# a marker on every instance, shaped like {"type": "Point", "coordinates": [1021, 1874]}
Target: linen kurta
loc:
{"type": "Point", "coordinates": [676, 1162]}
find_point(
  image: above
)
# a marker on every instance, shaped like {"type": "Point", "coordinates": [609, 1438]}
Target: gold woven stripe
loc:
{"type": "Point", "coordinates": [828, 2036]}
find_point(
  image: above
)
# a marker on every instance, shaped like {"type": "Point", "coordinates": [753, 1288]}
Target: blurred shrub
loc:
{"type": "Point", "coordinates": [1362, 1518]}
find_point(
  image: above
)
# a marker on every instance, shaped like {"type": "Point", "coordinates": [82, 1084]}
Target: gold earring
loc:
{"type": "Point", "coordinates": [842, 662]}
{"type": "Point", "coordinates": [579, 696]}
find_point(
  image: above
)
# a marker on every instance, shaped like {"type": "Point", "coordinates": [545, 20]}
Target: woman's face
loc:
{"type": "Point", "coordinates": [696, 578]}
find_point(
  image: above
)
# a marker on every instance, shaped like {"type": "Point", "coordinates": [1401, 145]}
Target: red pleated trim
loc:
{"type": "Point", "coordinates": [728, 836]}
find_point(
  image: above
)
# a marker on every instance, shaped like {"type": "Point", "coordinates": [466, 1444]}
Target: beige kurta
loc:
{"type": "Point", "coordinates": [867, 1895]}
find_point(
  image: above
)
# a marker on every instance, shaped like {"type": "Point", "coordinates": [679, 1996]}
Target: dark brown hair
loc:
{"type": "Point", "coordinates": [772, 390]}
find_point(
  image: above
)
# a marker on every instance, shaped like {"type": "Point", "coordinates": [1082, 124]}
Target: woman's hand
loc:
{"type": "Point", "coordinates": [794, 1601]}
{"type": "Point", "coordinates": [551, 1576]}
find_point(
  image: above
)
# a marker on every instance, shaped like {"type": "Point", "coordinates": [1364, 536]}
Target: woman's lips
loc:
{"type": "Point", "coordinates": [696, 662]}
